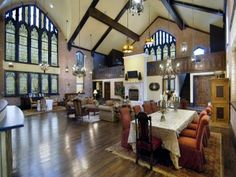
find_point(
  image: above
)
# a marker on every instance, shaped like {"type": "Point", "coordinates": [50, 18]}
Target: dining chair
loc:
{"type": "Point", "coordinates": [125, 118]}
{"type": "Point", "coordinates": [147, 107]}
{"type": "Point", "coordinates": [146, 144]}
{"type": "Point", "coordinates": [191, 149]}
{"type": "Point", "coordinates": [154, 106]}
{"type": "Point", "coordinates": [195, 122]}
{"type": "Point", "coordinates": [137, 109]}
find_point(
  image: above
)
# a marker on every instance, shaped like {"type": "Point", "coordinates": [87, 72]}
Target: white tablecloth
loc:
{"type": "Point", "coordinates": [49, 104]}
{"type": "Point", "coordinates": [168, 130]}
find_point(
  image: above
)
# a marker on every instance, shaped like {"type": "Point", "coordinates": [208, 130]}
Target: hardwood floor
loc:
{"type": "Point", "coordinates": [50, 145]}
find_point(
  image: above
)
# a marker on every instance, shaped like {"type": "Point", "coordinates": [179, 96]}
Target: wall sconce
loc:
{"type": "Point", "coordinates": [44, 66]}
{"type": "Point", "coordinates": [10, 65]}
{"type": "Point", "coordinates": [67, 69]}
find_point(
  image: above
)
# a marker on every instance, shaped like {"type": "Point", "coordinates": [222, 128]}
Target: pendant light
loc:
{"type": "Point", "coordinates": [193, 38]}
{"type": "Point", "coordinates": [184, 45]}
{"type": "Point", "coordinates": [128, 47]}
{"type": "Point", "coordinates": [149, 40]}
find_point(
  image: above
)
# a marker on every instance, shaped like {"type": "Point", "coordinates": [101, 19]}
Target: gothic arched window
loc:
{"type": "Point", "coordinates": [164, 45]}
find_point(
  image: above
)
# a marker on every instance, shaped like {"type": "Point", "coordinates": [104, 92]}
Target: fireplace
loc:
{"type": "Point", "coordinates": [133, 94]}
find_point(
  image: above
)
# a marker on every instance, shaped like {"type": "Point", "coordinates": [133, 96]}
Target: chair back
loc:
{"type": "Point", "coordinates": [147, 108]}
{"type": "Point", "coordinates": [200, 132]}
{"type": "Point", "coordinates": [202, 113]}
{"type": "Point", "coordinates": [125, 117]}
{"type": "Point", "coordinates": [154, 106]}
{"type": "Point", "coordinates": [208, 110]}
{"type": "Point", "coordinates": [78, 107]}
{"type": "Point", "coordinates": [137, 109]}
{"type": "Point", "coordinates": [143, 125]}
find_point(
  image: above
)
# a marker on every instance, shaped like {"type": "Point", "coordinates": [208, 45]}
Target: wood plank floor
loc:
{"type": "Point", "coordinates": [50, 145]}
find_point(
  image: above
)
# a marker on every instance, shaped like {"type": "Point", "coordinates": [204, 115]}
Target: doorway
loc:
{"type": "Point", "coordinates": [202, 89]}
{"type": "Point", "coordinates": [107, 90]}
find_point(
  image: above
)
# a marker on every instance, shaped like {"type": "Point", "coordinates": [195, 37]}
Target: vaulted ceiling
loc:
{"type": "Point", "coordinates": [85, 29]}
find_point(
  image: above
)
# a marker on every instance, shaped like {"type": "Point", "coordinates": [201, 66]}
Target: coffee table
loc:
{"type": "Point", "coordinates": [93, 109]}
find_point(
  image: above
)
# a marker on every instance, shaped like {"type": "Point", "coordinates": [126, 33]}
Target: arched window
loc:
{"type": "Point", "coordinates": [31, 37]}
{"type": "Point", "coordinates": [198, 51]}
{"type": "Point", "coordinates": [164, 46]}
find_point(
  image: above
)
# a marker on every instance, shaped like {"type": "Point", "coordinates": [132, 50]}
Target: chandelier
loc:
{"type": "Point", "coordinates": [78, 71]}
{"type": "Point", "coordinates": [136, 6]}
{"type": "Point", "coordinates": [127, 48]}
{"type": "Point", "coordinates": [149, 40]}
{"type": "Point", "coordinates": [168, 70]}
{"type": "Point", "coordinates": [44, 66]}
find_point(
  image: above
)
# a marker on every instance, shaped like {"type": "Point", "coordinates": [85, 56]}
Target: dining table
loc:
{"type": "Point", "coordinates": [167, 130]}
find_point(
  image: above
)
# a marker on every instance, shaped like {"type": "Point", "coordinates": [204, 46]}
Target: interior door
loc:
{"type": "Point", "coordinates": [107, 90]}
{"type": "Point", "coordinates": [202, 90]}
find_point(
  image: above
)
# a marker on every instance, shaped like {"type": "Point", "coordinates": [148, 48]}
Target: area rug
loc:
{"type": "Point", "coordinates": [92, 118]}
{"type": "Point", "coordinates": [31, 112]}
{"type": "Point", "coordinates": [213, 167]}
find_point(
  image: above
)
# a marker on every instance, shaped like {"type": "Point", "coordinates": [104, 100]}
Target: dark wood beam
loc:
{"type": "Point", "coordinates": [98, 15]}
{"type": "Point", "coordinates": [178, 20]}
{"type": "Point", "coordinates": [81, 24]}
{"type": "Point", "coordinates": [200, 8]}
{"type": "Point", "coordinates": [110, 28]}
{"type": "Point", "coordinates": [81, 48]}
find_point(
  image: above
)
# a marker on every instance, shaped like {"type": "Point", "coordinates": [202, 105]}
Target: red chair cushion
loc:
{"type": "Point", "coordinates": [189, 133]}
{"type": "Point", "coordinates": [187, 142]}
{"type": "Point", "coordinates": [192, 126]}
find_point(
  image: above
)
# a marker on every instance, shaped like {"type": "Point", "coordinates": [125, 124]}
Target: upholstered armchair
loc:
{"type": "Point", "coordinates": [137, 109]}
{"type": "Point", "coordinates": [191, 149]}
{"type": "Point", "coordinates": [147, 107]}
{"type": "Point", "coordinates": [107, 112]}
{"type": "Point", "coordinates": [125, 118]}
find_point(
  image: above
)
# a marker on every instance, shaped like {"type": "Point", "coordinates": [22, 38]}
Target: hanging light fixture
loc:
{"type": "Point", "coordinates": [184, 45]}
{"type": "Point", "coordinates": [128, 47]}
{"type": "Point", "coordinates": [136, 7]}
{"type": "Point", "coordinates": [168, 70]}
{"type": "Point", "coordinates": [193, 38]}
{"type": "Point", "coordinates": [44, 66]}
{"type": "Point", "coordinates": [149, 40]}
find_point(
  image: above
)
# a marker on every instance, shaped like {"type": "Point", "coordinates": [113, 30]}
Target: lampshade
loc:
{"type": "Point", "coordinates": [149, 41]}
{"type": "Point", "coordinates": [95, 92]}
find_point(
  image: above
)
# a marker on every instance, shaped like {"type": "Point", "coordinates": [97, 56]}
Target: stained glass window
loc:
{"type": "Point", "coordinates": [172, 50]}
{"type": "Point", "coordinates": [44, 47]}
{"type": "Point", "coordinates": [23, 34]}
{"type": "Point", "coordinates": [54, 50]}
{"type": "Point", "coordinates": [10, 83]}
{"type": "Point", "coordinates": [164, 45]}
{"type": "Point", "coordinates": [34, 47]}
{"type": "Point", "coordinates": [44, 83]}
{"type": "Point", "coordinates": [165, 52]}
{"type": "Point", "coordinates": [34, 80]}
{"type": "Point", "coordinates": [10, 41]}
{"type": "Point", "coordinates": [23, 80]}
{"type": "Point", "coordinates": [54, 84]}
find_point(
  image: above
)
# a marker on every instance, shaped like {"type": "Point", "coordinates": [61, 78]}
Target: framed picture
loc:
{"type": "Point", "coordinates": [80, 59]}
{"type": "Point", "coordinates": [119, 88]}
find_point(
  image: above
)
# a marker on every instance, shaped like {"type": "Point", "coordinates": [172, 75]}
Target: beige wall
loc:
{"type": "Point", "coordinates": [154, 95]}
{"type": "Point", "coordinates": [200, 39]}
{"type": "Point", "coordinates": [67, 82]}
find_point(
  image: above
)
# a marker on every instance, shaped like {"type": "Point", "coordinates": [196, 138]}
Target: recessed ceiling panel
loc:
{"type": "Point", "coordinates": [198, 19]}
{"type": "Point", "coordinates": [114, 40]}
{"type": "Point", "coordinates": [138, 23]}
{"type": "Point", "coordinates": [215, 4]}
{"type": "Point", "coordinates": [111, 7]}
{"type": "Point", "coordinates": [94, 27]}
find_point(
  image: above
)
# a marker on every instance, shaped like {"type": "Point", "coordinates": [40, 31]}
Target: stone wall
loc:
{"type": "Point", "coordinates": [201, 38]}
{"type": "Point", "coordinates": [67, 82]}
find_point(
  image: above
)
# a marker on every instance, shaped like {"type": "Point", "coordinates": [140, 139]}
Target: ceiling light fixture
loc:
{"type": "Point", "coordinates": [128, 47]}
{"type": "Point", "coordinates": [51, 5]}
{"type": "Point", "coordinates": [149, 40]}
{"type": "Point", "coordinates": [136, 7]}
{"type": "Point", "coordinates": [193, 58]}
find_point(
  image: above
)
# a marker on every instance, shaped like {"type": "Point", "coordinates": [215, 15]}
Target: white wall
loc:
{"type": "Point", "coordinates": [154, 95]}
{"type": "Point", "coordinates": [112, 83]}
{"type": "Point", "coordinates": [191, 82]}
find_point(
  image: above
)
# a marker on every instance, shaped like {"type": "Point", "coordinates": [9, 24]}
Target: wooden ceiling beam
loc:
{"type": "Point", "coordinates": [197, 7]}
{"type": "Point", "coordinates": [81, 24]}
{"type": "Point", "coordinates": [126, 6]}
{"type": "Point", "coordinates": [98, 15]}
{"type": "Point", "coordinates": [178, 20]}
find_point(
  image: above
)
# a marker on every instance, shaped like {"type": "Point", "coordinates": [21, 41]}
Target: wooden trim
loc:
{"type": "Point", "coordinates": [81, 24]}
{"type": "Point", "coordinates": [200, 8]}
{"type": "Point", "coordinates": [110, 28]}
{"type": "Point", "coordinates": [88, 50]}
{"type": "Point", "coordinates": [178, 20]}
{"type": "Point", "coordinates": [232, 16]}
{"type": "Point", "coordinates": [100, 16]}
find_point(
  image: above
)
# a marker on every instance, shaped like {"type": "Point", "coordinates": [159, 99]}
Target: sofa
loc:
{"type": "Point", "coordinates": [108, 111]}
